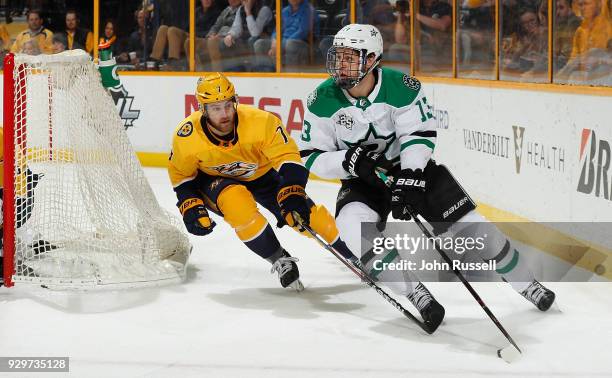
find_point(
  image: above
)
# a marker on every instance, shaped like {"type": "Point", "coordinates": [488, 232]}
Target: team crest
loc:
{"type": "Point", "coordinates": [236, 169]}
{"type": "Point", "coordinates": [312, 97]}
{"type": "Point", "coordinates": [411, 82]}
{"type": "Point", "coordinates": [185, 130]}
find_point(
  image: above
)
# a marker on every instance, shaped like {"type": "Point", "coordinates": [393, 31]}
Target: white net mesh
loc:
{"type": "Point", "coordinates": [85, 214]}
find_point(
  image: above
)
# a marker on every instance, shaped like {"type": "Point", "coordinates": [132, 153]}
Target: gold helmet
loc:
{"type": "Point", "coordinates": [213, 88]}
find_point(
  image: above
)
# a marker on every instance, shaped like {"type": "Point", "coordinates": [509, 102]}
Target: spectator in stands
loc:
{"type": "Point", "coordinates": [378, 13]}
{"type": "Point", "coordinates": [253, 20]}
{"type": "Point", "coordinates": [475, 34]}
{"type": "Point", "coordinates": [110, 36]}
{"type": "Point", "coordinates": [399, 51]}
{"type": "Point", "coordinates": [172, 32]}
{"type": "Point", "coordinates": [35, 31]}
{"type": "Point", "coordinates": [595, 31]}
{"type": "Point", "coordinates": [30, 47]}
{"type": "Point", "coordinates": [5, 38]}
{"type": "Point", "coordinates": [434, 19]}
{"type": "Point", "coordinates": [59, 43]}
{"type": "Point", "coordinates": [217, 33]}
{"type": "Point", "coordinates": [76, 37]}
{"type": "Point", "coordinates": [373, 12]}
{"type": "Point", "coordinates": [591, 52]}
{"type": "Point", "coordinates": [137, 41]}
{"type": "Point", "coordinates": [206, 15]}
{"type": "Point", "coordinates": [528, 47]}
{"type": "Point", "coordinates": [298, 21]}
{"type": "Point", "coordinates": [563, 33]}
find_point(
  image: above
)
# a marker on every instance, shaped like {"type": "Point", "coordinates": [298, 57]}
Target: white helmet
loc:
{"type": "Point", "coordinates": [366, 40]}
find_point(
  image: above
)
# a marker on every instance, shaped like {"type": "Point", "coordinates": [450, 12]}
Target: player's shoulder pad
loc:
{"type": "Point", "coordinates": [326, 99]}
{"type": "Point", "coordinates": [399, 89]}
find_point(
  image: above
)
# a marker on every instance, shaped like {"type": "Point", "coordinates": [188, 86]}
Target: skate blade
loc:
{"type": "Point", "coordinates": [297, 285]}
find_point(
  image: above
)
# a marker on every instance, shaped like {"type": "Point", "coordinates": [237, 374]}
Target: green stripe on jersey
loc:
{"type": "Point", "coordinates": [426, 142]}
{"type": "Point", "coordinates": [311, 159]}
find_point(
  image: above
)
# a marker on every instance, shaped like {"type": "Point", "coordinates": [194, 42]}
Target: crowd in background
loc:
{"type": "Point", "coordinates": [240, 35]}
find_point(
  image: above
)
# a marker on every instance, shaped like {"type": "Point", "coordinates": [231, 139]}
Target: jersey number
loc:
{"type": "Point", "coordinates": [280, 129]}
{"type": "Point", "coordinates": [306, 132]}
{"type": "Point", "coordinates": [424, 115]}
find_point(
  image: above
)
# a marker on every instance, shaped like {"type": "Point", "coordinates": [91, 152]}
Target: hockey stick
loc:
{"type": "Point", "coordinates": [388, 181]}
{"type": "Point", "coordinates": [364, 277]}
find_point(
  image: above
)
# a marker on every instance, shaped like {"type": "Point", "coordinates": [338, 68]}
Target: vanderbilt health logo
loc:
{"type": "Point", "coordinates": [486, 143]}
{"type": "Point", "coordinates": [542, 155]}
{"type": "Point", "coordinates": [123, 102]}
{"type": "Point", "coordinates": [518, 133]}
{"type": "Point", "coordinates": [595, 157]}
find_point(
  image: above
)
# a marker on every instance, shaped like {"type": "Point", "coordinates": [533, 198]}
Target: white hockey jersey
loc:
{"type": "Point", "coordinates": [396, 117]}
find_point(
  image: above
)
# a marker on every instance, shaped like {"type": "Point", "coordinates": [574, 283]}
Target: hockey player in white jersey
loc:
{"type": "Point", "coordinates": [365, 119]}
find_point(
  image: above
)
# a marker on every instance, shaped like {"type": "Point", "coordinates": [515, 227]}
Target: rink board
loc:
{"type": "Point", "coordinates": [526, 154]}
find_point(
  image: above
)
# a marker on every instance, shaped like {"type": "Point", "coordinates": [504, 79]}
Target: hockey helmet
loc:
{"type": "Point", "coordinates": [214, 88]}
{"type": "Point", "coordinates": [366, 40]}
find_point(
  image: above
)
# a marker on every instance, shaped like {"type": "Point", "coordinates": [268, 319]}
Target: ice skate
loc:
{"type": "Point", "coordinates": [431, 311]}
{"type": "Point", "coordinates": [540, 296]}
{"type": "Point", "coordinates": [288, 272]}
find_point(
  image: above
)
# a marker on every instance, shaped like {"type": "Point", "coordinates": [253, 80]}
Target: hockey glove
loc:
{"type": "Point", "coordinates": [408, 191]}
{"type": "Point", "coordinates": [292, 199]}
{"type": "Point", "coordinates": [362, 161]}
{"type": "Point", "coordinates": [196, 217]}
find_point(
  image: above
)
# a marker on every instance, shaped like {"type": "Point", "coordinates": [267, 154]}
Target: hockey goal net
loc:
{"type": "Point", "coordinates": [78, 211]}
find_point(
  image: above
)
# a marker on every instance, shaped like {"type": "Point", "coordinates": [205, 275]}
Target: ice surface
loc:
{"type": "Point", "coordinates": [232, 319]}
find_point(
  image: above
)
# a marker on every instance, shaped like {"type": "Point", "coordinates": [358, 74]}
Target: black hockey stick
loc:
{"type": "Point", "coordinates": [388, 181]}
{"type": "Point", "coordinates": [364, 277]}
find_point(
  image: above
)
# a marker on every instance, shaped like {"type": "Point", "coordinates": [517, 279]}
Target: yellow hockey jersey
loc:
{"type": "Point", "coordinates": [260, 143]}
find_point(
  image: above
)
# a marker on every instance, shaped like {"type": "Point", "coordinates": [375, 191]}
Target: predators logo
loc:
{"type": "Point", "coordinates": [236, 169]}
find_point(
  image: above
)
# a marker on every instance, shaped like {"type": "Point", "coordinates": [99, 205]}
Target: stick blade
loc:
{"type": "Point", "coordinates": [509, 354]}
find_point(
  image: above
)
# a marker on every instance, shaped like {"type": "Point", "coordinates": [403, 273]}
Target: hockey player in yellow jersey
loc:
{"type": "Point", "coordinates": [227, 157]}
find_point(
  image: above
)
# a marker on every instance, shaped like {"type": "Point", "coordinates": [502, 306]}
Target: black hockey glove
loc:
{"type": "Point", "coordinates": [196, 217]}
{"type": "Point", "coordinates": [292, 199]}
{"type": "Point", "coordinates": [362, 161]}
{"type": "Point", "coordinates": [408, 191]}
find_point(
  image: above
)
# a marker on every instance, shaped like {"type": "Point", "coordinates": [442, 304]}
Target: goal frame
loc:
{"type": "Point", "coordinates": [112, 236]}
{"type": "Point", "coordinates": [8, 191]}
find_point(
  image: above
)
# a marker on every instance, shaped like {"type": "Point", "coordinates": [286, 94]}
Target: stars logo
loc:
{"type": "Point", "coordinates": [382, 142]}
{"type": "Point", "coordinates": [373, 33]}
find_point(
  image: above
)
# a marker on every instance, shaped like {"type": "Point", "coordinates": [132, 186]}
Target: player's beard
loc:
{"type": "Point", "coordinates": [223, 127]}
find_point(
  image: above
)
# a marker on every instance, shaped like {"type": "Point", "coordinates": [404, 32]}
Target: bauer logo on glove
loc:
{"type": "Point", "coordinates": [410, 182]}
{"type": "Point", "coordinates": [195, 217]}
